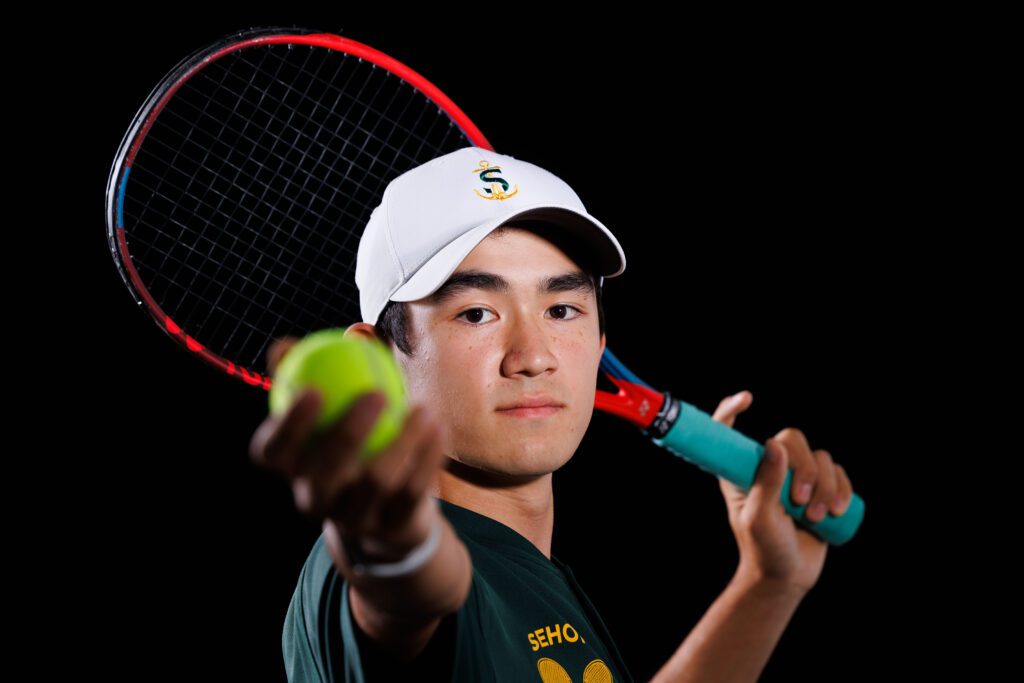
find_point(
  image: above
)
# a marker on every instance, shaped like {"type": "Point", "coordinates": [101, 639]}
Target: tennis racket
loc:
{"type": "Point", "coordinates": [239, 192]}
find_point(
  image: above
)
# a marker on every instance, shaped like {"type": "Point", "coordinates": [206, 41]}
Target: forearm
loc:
{"type": "Point", "coordinates": [735, 637]}
{"type": "Point", "coordinates": [436, 588]}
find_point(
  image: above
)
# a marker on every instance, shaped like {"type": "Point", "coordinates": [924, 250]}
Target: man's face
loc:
{"type": "Point", "coordinates": [478, 350]}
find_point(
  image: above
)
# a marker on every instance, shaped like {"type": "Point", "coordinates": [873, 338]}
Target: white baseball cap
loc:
{"type": "Point", "coordinates": [433, 215]}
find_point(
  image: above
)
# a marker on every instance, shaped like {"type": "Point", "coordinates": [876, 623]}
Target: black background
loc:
{"type": "Point", "coordinates": [755, 172]}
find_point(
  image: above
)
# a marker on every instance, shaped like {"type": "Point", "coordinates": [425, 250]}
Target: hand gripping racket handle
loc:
{"type": "Point", "coordinates": [725, 452]}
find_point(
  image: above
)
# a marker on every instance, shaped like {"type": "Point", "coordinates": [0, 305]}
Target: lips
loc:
{"type": "Point", "coordinates": [532, 402]}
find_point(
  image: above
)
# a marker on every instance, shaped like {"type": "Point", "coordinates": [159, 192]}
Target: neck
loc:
{"type": "Point", "coordinates": [525, 504]}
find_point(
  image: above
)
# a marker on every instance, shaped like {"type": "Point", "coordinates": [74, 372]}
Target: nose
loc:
{"type": "Point", "coordinates": [527, 347]}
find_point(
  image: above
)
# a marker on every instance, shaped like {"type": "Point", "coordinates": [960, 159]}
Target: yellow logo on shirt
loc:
{"type": "Point", "coordinates": [551, 671]}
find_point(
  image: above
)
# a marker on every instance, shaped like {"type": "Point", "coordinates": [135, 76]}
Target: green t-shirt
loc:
{"type": "Point", "coordinates": [525, 619]}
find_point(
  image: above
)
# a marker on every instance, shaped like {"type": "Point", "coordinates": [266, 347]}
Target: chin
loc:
{"type": "Point", "coordinates": [535, 458]}
{"type": "Point", "coordinates": [518, 460]}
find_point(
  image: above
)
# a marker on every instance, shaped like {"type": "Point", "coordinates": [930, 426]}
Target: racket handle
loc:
{"type": "Point", "coordinates": [717, 448]}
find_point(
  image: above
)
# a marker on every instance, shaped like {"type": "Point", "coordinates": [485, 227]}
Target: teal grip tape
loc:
{"type": "Point", "coordinates": [721, 450]}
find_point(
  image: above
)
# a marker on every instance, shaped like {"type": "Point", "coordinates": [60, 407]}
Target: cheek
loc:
{"type": "Point", "coordinates": [461, 376]}
{"type": "Point", "coordinates": [581, 358]}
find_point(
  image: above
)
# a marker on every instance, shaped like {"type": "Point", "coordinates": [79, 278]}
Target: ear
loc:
{"type": "Point", "coordinates": [603, 341]}
{"type": "Point", "coordinates": [362, 329]}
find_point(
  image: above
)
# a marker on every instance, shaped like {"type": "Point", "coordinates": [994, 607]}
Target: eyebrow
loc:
{"type": "Point", "coordinates": [574, 281]}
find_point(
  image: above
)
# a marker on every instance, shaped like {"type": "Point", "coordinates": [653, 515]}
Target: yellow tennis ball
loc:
{"type": "Point", "coordinates": [342, 369]}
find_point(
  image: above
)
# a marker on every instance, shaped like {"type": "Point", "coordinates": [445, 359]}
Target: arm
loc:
{"type": "Point", "coordinates": [401, 613]}
{"type": "Point", "coordinates": [736, 636]}
{"type": "Point", "coordinates": [779, 563]}
{"type": "Point", "coordinates": [382, 506]}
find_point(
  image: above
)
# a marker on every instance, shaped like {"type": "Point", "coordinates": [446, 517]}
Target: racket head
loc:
{"type": "Point", "coordinates": [237, 197]}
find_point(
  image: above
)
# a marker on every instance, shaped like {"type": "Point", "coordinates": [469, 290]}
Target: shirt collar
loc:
{"type": "Point", "coordinates": [491, 532]}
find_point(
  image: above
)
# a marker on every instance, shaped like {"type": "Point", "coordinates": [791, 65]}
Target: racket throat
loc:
{"type": "Point", "coordinates": [652, 411]}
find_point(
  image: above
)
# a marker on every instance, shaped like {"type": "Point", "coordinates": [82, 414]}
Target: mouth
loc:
{"type": "Point", "coordinates": [537, 406]}
{"type": "Point", "coordinates": [537, 411]}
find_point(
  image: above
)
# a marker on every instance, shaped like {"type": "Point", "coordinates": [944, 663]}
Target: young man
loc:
{"type": "Point", "coordinates": [483, 273]}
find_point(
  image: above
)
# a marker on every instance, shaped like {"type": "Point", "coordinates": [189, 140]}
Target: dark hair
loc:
{"type": "Point", "coordinates": [393, 322]}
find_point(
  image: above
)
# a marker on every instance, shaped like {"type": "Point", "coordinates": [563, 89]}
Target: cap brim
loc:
{"type": "Point", "coordinates": [610, 259]}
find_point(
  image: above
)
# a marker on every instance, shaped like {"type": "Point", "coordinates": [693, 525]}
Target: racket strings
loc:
{"type": "Point", "coordinates": [239, 320]}
{"type": "Point", "coordinates": [250, 191]}
{"type": "Point", "coordinates": [233, 185]}
{"type": "Point", "coordinates": [260, 249]}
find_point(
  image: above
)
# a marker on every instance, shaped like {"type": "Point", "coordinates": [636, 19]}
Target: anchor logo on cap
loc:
{"type": "Point", "coordinates": [498, 186]}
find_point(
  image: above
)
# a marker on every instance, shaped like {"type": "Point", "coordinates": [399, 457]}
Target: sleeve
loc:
{"type": "Point", "coordinates": [317, 641]}
{"type": "Point", "coordinates": [303, 636]}
{"type": "Point", "coordinates": [297, 644]}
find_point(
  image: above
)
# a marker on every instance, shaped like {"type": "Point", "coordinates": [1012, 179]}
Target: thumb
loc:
{"type": "Point", "coordinates": [771, 473]}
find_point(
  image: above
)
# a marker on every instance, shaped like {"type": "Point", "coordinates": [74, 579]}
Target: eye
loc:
{"type": "Point", "coordinates": [472, 311]}
{"type": "Point", "coordinates": [566, 306]}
